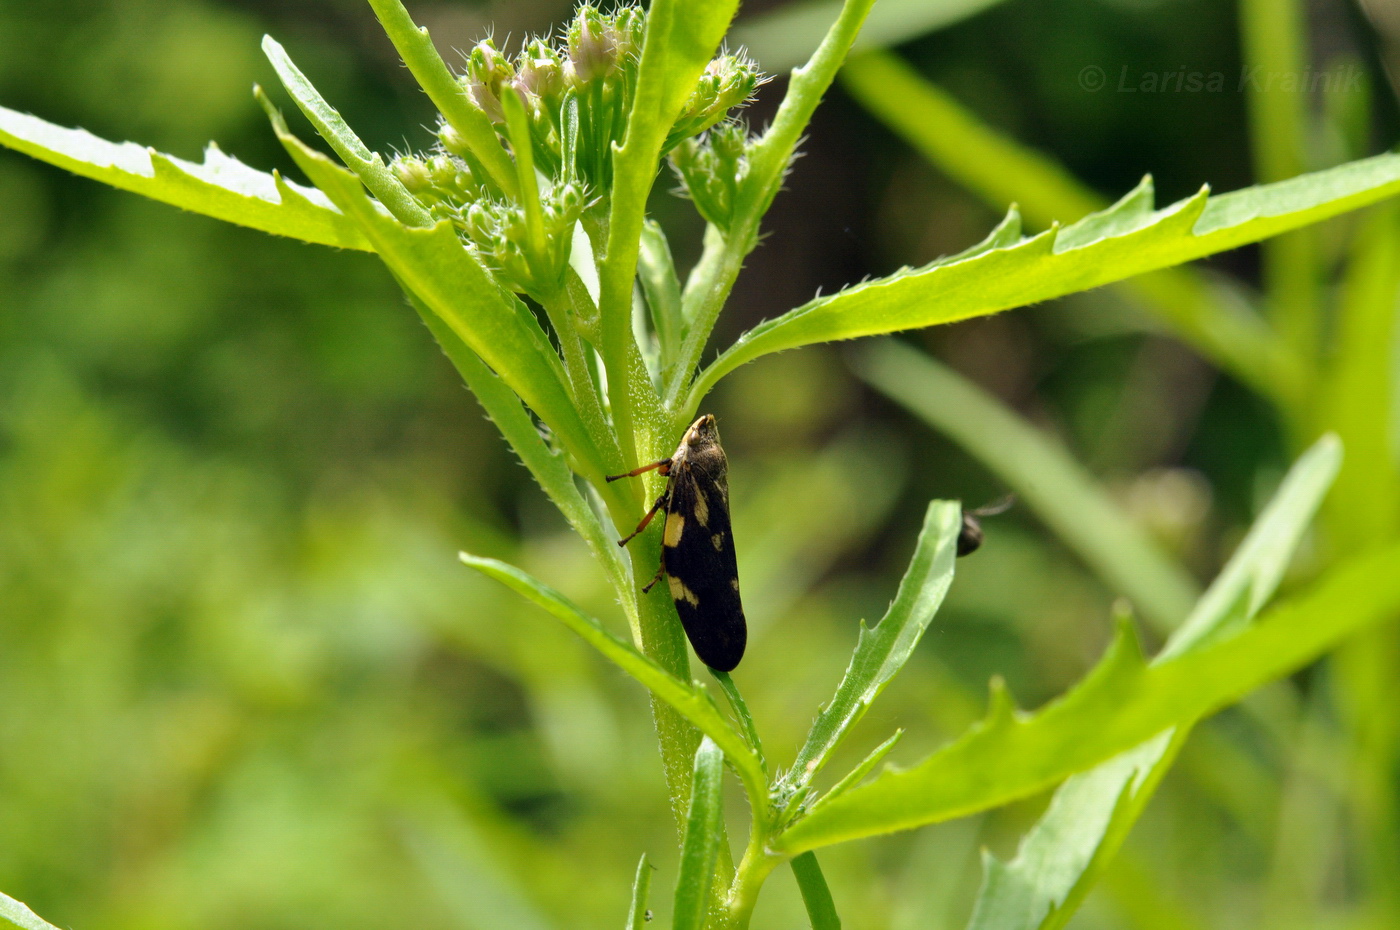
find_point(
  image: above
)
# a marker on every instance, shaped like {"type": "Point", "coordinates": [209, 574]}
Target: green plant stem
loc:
{"type": "Point", "coordinates": [768, 164]}
{"type": "Point", "coordinates": [562, 313]}
{"type": "Point", "coordinates": [753, 871]}
{"type": "Point", "coordinates": [821, 909]}
{"type": "Point", "coordinates": [1275, 53]}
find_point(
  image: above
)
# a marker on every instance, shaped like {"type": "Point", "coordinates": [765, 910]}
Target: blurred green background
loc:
{"type": "Point", "coordinates": [244, 681]}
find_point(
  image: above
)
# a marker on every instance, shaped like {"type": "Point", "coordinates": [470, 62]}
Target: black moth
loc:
{"type": "Point", "coordinates": [697, 545]}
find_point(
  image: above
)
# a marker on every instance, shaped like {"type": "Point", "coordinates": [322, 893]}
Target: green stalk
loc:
{"type": "Point", "coordinates": [1276, 64]}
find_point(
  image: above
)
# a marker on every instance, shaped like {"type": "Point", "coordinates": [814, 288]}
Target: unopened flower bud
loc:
{"type": "Point", "coordinates": [591, 48]}
{"type": "Point", "coordinates": [487, 71]}
{"type": "Point", "coordinates": [412, 174]}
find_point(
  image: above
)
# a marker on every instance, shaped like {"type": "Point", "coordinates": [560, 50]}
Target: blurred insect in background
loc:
{"type": "Point", "coordinates": [970, 536]}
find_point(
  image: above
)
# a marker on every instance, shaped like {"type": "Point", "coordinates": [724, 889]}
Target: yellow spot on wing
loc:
{"type": "Point", "coordinates": [675, 526]}
{"type": "Point", "coordinates": [717, 541]}
{"type": "Point", "coordinates": [702, 510]}
{"type": "Point", "coordinates": [679, 592]}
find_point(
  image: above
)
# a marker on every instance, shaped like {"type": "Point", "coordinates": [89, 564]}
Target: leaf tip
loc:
{"type": "Point", "coordinates": [1001, 706]}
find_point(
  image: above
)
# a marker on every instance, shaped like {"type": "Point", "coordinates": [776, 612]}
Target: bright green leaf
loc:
{"type": "Point", "coordinates": [1091, 814]}
{"type": "Point", "coordinates": [882, 650]}
{"type": "Point", "coordinates": [1119, 705]}
{"type": "Point", "coordinates": [1040, 268]}
{"type": "Point", "coordinates": [548, 466]}
{"type": "Point", "coordinates": [21, 916]}
{"type": "Point", "coordinates": [221, 187]}
{"type": "Point", "coordinates": [435, 266]}
{"type": "Point", "coordinates": [1002, 171]}
{"type": "Point", "coordinates": [357, 157]}
{"type": "Point", "coordinates": [641, 887]}
{"type": "Point", "coordinates": [700, 845]}
{"type": "Point", "coordinates": [691, 702]}
{"type": "Point", "coordinates": [1042, 473]}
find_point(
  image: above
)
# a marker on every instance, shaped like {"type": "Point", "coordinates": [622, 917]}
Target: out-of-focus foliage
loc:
{"type": "Point", "coordinates": [245, 683]}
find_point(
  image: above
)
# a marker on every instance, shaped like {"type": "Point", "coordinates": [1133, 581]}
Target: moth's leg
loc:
{"type": "Point", "coordinates": [664, 465]}
{"type": "Point", "coordinates": [660, 570]}
{"type": "Point", "coordinates": [660, 502]}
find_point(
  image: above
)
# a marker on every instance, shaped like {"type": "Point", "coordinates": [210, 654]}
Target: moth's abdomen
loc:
{"type": "Point", "coordinates": [701, 568]}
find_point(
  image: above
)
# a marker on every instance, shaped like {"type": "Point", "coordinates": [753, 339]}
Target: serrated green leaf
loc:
{"type": "Point", "coordinates": [783, 38]}
{"type": "Point", "coordinates": [816, 895]}
{"type": "Point", "coordinates": [1002, 171]}
{"type": "Point", "coordinates": [1091, 814]}
{"type": "Point", "coordinates": [222, 187]}
{"type": "Point", "coordinates": [1038, 268]}
{"type": "Point", "coordinates": [881, 651]}
{"type": "Point", "coordinates": [369, 166]}
{"type": "Point", "coordinates": [434, 265]}
{"type": "Point", "coordinates": [1119, 705]}
{"type": "Point", "coordinates": [691, 702]}
{"type": "Point", "coordinates": [548, 466]}
{"type": "Point", "coordinates": [700, 845]}
{"type": "Point", "coordinates": [641, 888]}
{"type": "Point", "coordinates": [19, 914]}
{"type": "Point", "coordinates": [1041, 472]}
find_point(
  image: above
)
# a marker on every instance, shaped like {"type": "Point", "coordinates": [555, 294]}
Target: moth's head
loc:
{"type": "Point", "coordinates": [703, 432]}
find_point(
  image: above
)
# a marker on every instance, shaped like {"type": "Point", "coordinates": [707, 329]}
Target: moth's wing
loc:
{"type": "Point", "coordinates": [698, 555]}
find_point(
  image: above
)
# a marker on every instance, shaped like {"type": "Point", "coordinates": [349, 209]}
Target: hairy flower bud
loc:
{"type": "Point", "coordinates": [592, 48]}
{"type": "Point", "coordinates": [487, 71]}
{"type": "Point", "coordinates": [412, 174]}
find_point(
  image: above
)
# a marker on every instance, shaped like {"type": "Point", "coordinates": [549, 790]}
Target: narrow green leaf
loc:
{"type": "Point", "coordinates": [1002, 171]}
{"type": "Point", "coordinates": [881, 651]}
{"type": "Point", "coordinates": [1253, 573]}
{"type": "Point", "coordinates": [691, 702]}
{"type": "Point", "coordinates": [547, 465]}
{"type": "Point", "coordinates": [1041, 472]}
{"type": "Point", "coordinates": [1362, 392]}
{"type": "Point", "coordinates": [1119, 705]}
{"type": "Point", "coordinates": [867, 765]}
{"type": "Point", "coordinates": [1037, 269]}
{"type": "Point", "coordinates": [1274, 38]}
{"type": "Point", "coordinates": [21, 916]}
{"type": "Point", "coordinates": [700, 846]}
{"type": "Point", "coordinates": [222, 187]}
{"type": "Point", "coordinates": [1092, 813]}
{"type": "Point", "coordinates": [657, 272]}
{"type": "Point", "coordinates": [368, 165]}
{"type": "Point", "coordinates": [641, 888]}
{"type": "Point", "coordinates": [466, 870]}
{"type": "Point", "coordinates": [445, 91]}
{"type": "Point", "coordinates": [435, 266]}
{"type": "Point", "coordinates": [783, 38]}
{"type": "Point", "coordinates": [821, 910]}
{"type": "Point", "coordinates": [741, 712]}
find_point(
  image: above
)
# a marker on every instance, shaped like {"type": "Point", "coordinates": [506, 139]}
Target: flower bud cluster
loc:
{"type": "Point", "coordinates": [439, 181]}
{"type": "Point", "coordinates": [712, 167]}
{"type": "Point", "coordinates": [729, 81]}
{"type": "Point", "coordinates": [499, 232]}
{"type": "Point", "coordinates": [577, 93]}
